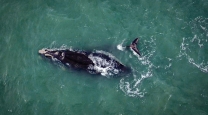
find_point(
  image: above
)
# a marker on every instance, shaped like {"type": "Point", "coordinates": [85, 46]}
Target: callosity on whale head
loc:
{"type": "Point", "coordinates": [42, 51]}
{"type": "Point", "coordinates": [50, 53]}
{"type": "Point", "coordinates": [93, 62]}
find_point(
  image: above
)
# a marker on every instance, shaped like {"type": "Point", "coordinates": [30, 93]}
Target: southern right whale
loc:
{"type": "Point", "coordinates": [94, 62]}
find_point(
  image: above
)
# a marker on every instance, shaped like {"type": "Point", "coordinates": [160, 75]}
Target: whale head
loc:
{"type": "Point", "coordinates": [49, 53]}
{"type": "Point", "coordinates": [43, 51]}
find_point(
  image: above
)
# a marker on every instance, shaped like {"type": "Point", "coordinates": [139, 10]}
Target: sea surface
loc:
{"type": "Point", "coordinates": [170, 78]}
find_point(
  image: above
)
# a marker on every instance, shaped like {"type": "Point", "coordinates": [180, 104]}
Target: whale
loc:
{"type": "Point", "coordinates": [94, 62]}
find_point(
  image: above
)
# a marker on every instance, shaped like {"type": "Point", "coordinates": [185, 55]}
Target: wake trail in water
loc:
{"type": "Point", "coordinates": [197, 43]}
{"type": "Point", "coordinates": [131, 87]}
{"type": "Point", "coordinates": [184, 52]}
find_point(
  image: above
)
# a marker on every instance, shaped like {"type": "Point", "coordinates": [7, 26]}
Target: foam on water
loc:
{"type": "Point", "coordinates": [120, 47]}
{"type": "Point", "coordinates": [132, 88]}
{"type": "Point", "coordinates": [128, 90]}
{"type": "Point", "coordinates": [203, 65]}
{"type": "Point", "coordinates": [196, 43]}
{"type": "Point", "coordinates": [103, 66]}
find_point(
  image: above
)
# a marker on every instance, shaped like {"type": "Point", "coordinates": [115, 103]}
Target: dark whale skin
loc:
{"type": "Point", "coordinates": [83, 60]}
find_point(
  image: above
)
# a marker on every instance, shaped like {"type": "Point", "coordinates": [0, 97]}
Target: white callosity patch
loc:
{"type": "Point", "coordinates": [42, 51]}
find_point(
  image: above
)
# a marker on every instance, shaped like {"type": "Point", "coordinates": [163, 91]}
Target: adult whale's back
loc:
{"type": "Point", "coordinates": [75, 58]}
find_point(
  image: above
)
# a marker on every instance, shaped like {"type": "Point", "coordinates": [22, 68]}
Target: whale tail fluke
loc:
{"type": "Point", "coordinates": [133, 46]}
{"type": "Point", "coordinates": [135, 41]}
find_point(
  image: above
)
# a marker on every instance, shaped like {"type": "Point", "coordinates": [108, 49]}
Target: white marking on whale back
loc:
{"type": "Point", "coordinates": [106, 53]}
{"type": "Point", "coordinates": [103, 66]}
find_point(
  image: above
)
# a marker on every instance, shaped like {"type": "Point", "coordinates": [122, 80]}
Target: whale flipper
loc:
{"type": "Point", "coordinates": [133, 46]}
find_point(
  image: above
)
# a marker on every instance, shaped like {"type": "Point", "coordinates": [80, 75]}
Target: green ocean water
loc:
{"type": "Point", "coordinates": [170, 78]}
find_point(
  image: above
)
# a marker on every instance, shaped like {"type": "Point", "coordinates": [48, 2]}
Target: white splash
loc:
{"type": "Point", "coordinates": [121, 47]}
{"type": "Point", "coordinates": [99, 62]}
{"type": "Point", "coordinates": [103, 66]}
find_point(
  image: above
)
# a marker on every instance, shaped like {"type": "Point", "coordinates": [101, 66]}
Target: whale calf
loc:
{"type": "Point", "coordinates": [93, 62]}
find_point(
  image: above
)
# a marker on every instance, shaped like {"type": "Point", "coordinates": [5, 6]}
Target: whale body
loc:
{"type": "Point", "coordinates": [97, 62]}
